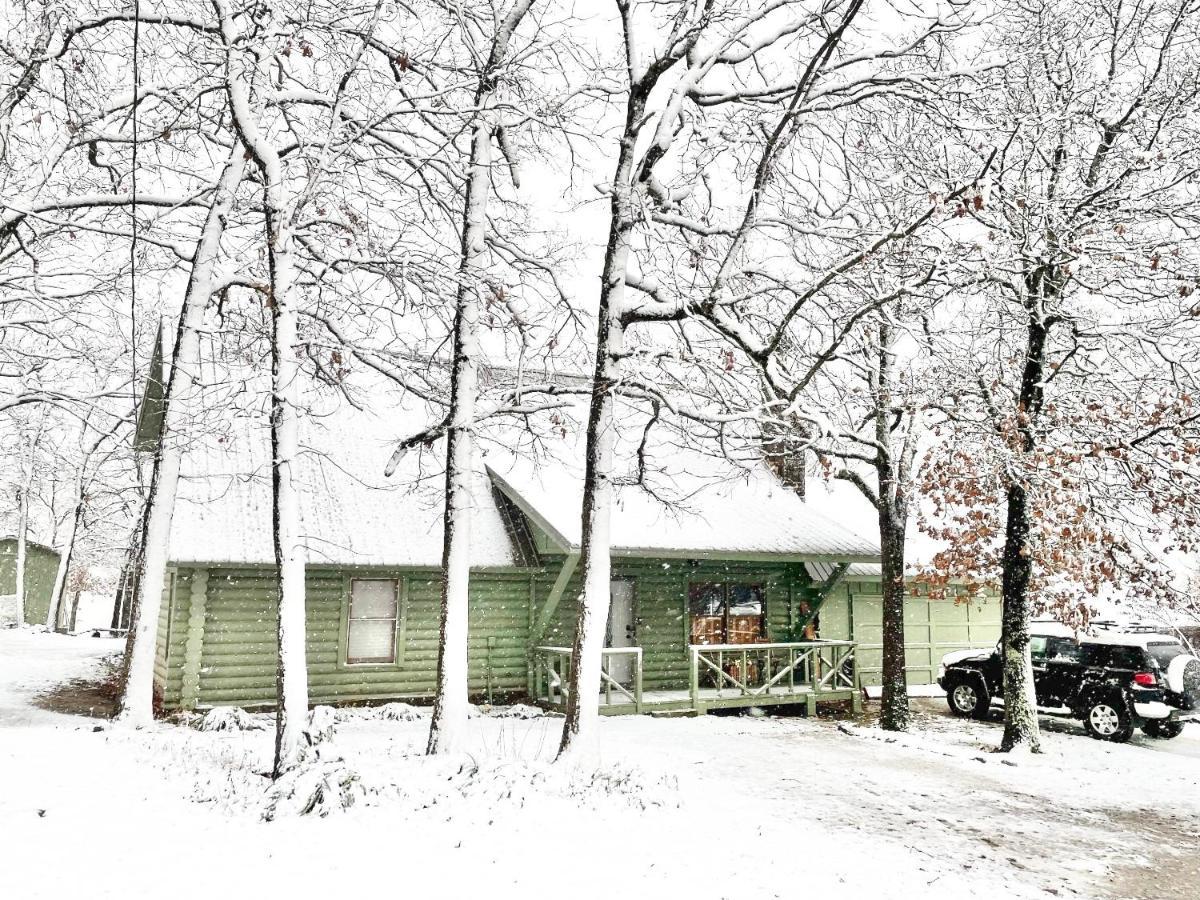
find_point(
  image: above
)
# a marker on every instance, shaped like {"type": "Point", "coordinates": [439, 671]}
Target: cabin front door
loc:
{"type": "Point", "coordinates": [622, 629]}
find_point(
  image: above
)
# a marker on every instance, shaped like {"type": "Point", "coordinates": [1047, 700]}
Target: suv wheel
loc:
{"type": "Point", "coordinates": [1108, 719]}
{"type": "Point", "coordinates": [967, 699]}
{"type": "Point", "coordinates": [1163, 728]}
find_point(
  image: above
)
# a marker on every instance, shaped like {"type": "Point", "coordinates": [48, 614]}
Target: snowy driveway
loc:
{"type": "Point", "coordinates": [718, 807]}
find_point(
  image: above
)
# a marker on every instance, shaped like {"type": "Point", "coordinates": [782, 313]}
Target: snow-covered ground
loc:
{"type": "Point", "coordinates": [717, 807]}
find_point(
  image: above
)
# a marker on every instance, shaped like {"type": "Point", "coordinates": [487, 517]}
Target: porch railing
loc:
{"type": "Point", "coordinates": [792, 672]}
{"type": "Point", "coordinates": [552, 674]}
{"type": "Point", "coordinates": [765, 670]}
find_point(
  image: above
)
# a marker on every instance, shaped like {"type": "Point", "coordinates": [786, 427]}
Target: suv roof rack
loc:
{"type": "Point", "coordinates": [1131, 628]}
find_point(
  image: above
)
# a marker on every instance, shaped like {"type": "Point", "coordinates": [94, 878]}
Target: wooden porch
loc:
{"type": "Point", "coordinates": [721, 676]}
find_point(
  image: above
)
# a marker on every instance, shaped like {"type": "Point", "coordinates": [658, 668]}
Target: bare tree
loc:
{"type": "Point", "coordinates": [1085, 237]}
{"type": "Point", "coordinates": [786, 263]}
{"type": "Point", "coordinates": [137, 697]}
{"type": "Point", "coordinates": [885, 409]}
{"type": "Point", "coordinates": [709, 57]}
{"type": "Point", "coordinates": [450, 705]}
{"type": "Point", "coordinates": [89, 466]}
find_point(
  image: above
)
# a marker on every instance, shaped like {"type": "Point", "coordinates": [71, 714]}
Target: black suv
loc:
{"type": "Point", "coordinates": [1113, 683]}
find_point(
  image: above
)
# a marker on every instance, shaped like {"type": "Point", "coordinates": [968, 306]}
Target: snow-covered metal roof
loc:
{"type": "Point", "coordinates": [692, 504]}
{"type": "Point", "coordinates": [688, 503]}
{"type": "Point", "coordinates": [819, 571]}
{"type": "Point", "coordinates": [351, 514]}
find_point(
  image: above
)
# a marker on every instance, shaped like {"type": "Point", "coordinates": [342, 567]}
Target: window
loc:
{"type": "Point", "coordinates": [1164, 654]}
{"type": "Point", "coordinates": [1063, 650]}
{"type": "Point", "coordinates": [371, 631]}
{"type": "Point", "coordinates": [1114, 657]}
{"type": "Point", "coordinates": [726, 613]}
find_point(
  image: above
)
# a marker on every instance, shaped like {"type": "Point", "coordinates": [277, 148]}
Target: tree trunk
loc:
{"type": "Point", "coordinates": [449, 722]}
{"type": "Point", "coordinates": [291, 672]}
{"type": "Point", "coordinates": [121, 604]}
{"type": "Point", "coordinates": [892, 467]}
{"type": "Point", "coordinates": [291, 676]}
{"type": "Point", "coordinates": [137, 698]}
{"type": "Point", "coordinates": [71, 619]}
{"type": "Point", "coordinates": [66, 550]}
{"type": "Point", "coordinates": [893, 713]}
{"type": "Point", "coordinates": [448, 726]}
{"type": "Point", "coordinates": [22, 543]}
{"type": "Point", "coordinates": [1020, 704]}
{"type": "Point", "coordinates": [579, 739]}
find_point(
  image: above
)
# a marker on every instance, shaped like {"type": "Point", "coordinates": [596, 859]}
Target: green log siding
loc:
{"type": "Point", "coordinates": [217, 630]}
{"type": "Point", "coordinates": [237, 646]}
{"type": "Point", "coordinates": [41, 565]}
{"type": "Point", "coordinates": [169, 640]}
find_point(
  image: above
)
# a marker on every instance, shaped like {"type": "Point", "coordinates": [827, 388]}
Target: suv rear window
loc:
{"type": "Point", "coordinates": [1164, 653]}
{"type": "Point", "coordinates": [1113, 657]}
{"type": "Point", "coordinates": [1063, 650]}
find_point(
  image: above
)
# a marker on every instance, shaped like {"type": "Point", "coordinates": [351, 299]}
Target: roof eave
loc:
{"type": "Point", "coordinates": [747, 555]}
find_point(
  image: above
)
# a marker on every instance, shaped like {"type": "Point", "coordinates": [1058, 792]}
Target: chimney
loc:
{"type": "Point", "coordinates": [785, 454]}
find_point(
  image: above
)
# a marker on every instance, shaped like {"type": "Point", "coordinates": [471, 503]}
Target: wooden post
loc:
{"type": "Point", "coordinates": [556, 592]}
{"type": "Point", "coordinates": [605, 666]}
{"type": "Point", "coordinates": [856, 701]}
{"type": "Point", "coordinates": [531, 665]}
{"type": "Point", "coordinates": [637, 681]}
{"type": "Point", "coordinates": [694, 678]}
{"type": "Point", "coordinates": [194, 646]}
{"type": "Point", "coordinates": [535, 675]}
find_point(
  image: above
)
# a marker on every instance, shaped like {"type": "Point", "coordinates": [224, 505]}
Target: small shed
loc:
{"type": "Point", "coordinates": [41, 565]}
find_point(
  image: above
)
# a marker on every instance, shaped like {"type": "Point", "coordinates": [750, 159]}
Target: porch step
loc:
{"type": "Point", "coordinates": [673, 713]}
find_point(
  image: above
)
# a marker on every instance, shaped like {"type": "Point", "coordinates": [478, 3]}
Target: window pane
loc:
{"type": "Point", "coordinates": [1037, 646]}
{"type": "Point", "coordinates": [706, 607]}
{"type": "Point", "coordinates": [745, 599]}
{"type": "Point", "coordinates": [372, 640]}
{"type": "Point", "coordinates": [373, 600]}
{"type": "Point", "coordinates": [706, 599]}
{"type": "Point", "coordinates": [1164, 654]}
{"type": "Point", "coordinates": [745, 613]}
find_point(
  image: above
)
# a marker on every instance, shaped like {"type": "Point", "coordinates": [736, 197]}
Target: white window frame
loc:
{"type": "Point", "coordinates": [396, 619]}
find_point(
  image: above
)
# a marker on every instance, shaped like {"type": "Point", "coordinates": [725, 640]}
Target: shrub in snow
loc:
{"type": "Point", "coordinates": [518, 711]}
{"type": "Point", "coordinates": [320, 784]}
{"type": "Point", "coordinates": [320, 726]}
{"type": "Point", "coordinates": [230, 718]}
{"type": "Point", "coordinates": [631, 786]}
{"type": "Point", "coordinates": [488, 784]}
{"type": "Point", "coordinates": [399, 712]}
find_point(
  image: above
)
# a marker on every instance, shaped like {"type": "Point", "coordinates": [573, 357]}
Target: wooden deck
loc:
{"type": "Point", "coordinates": [723, 676]}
